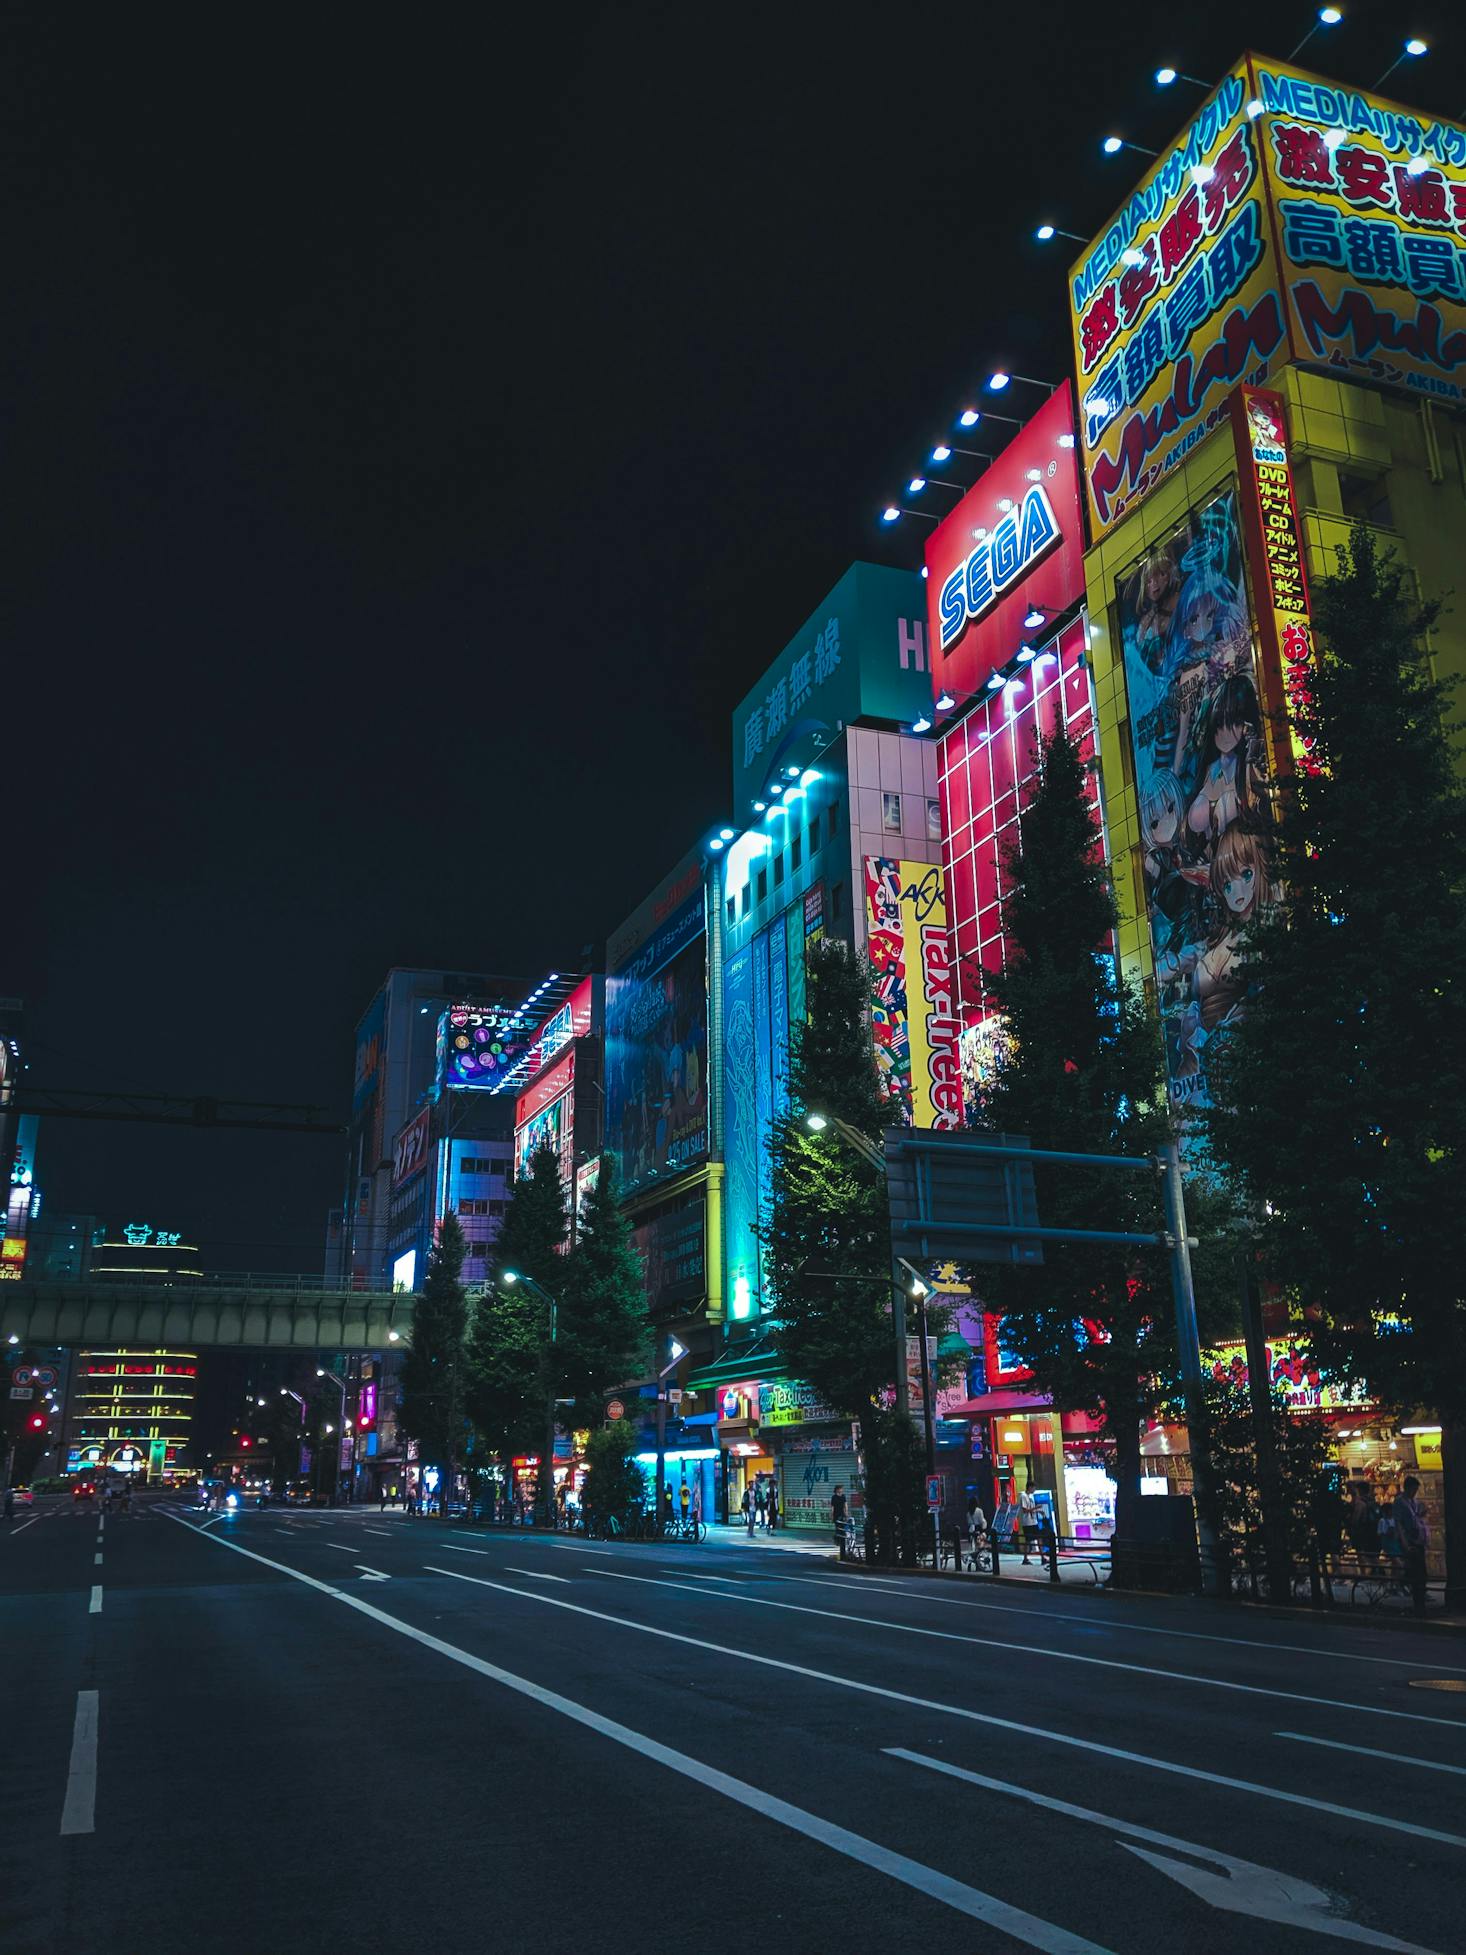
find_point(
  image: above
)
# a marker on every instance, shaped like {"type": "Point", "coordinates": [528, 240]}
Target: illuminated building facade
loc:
{"type": "Point", "coordinates": [131, 1412]}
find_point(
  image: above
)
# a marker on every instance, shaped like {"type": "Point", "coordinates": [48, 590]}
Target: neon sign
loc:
{"type": "Point", "coordinates": [1000, 559]}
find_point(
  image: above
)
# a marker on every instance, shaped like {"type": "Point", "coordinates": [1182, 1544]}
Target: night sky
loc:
{"type": "Point", "coordinates": [421, 429]}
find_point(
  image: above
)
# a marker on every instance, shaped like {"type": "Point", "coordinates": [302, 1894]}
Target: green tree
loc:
{"type": "Point", "coordinates": [1081, 1071]}
{"type": "Point", "coordinates": [604, 1327]}
{"type": "Point", "coordinates": [510, 1355]}
{"type": "Point", "coordinates": [827, 1237]}
{"type": "Point", "coordinates": [1300, 1449]}
{"type": "Point", "coordinates": [615, 1486]}
{"type": "Point", "coordinates": [1342, 1091]}
{"type": "Point", "coordinates": [433, 1373]}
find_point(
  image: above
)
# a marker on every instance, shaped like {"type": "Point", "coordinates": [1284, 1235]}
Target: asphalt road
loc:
{"type": "Point", "coordinates": [305, 1732]}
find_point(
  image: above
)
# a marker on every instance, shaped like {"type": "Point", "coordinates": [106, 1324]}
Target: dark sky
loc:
{"type": "Point", "coordinates": [421, 427]}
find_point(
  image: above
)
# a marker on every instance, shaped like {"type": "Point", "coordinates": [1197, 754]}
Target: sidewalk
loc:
{"type": "Point", "coordinates": [803, 1541]}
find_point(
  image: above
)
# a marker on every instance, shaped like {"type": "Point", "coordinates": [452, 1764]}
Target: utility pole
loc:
{"type": "Point", "coordinates": [678, 1353]}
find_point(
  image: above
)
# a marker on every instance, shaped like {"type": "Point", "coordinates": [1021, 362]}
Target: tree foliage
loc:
{"type": "Point", "coordinates": [508, 1343]}
{"type": "Point", "coordinates": [826, 1240]}
{"type": "Point", "coordinates": [1342, 1091]}
{"type": "Point", "coordinates": [1300, 1449]}
{"type": "Point", "coordinates": [614, 1483]}
{"type": "Point", "coordinates": [1081, 1071]}
{"type": "Point", "coordinates": [604, 1328]}
{"type": "Point", "coordinates": [433, 1372]}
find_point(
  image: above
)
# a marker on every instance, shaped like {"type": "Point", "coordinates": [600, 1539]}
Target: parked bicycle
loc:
{"type": "Point", "coordinates": [685, 1528]}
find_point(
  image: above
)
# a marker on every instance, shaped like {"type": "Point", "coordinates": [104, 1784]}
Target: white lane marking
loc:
{"type": "Point", "coordinates": [386, 1531]}
{"type": "Point", "coordinates": [95, 1606]}
{"type": "Point", "coordinates": [79, 1812]}
{"type": "Point", "coordinates": [696, 1575]}
{"type": "Point", "coordinates": [97, 1559]}
{"type": "Point", "coordinates": [1262, 1892]}
{"type": "Point", "coordinates": [1368, 1751]}
{"type": "Point", "coordinates": [1043, 1935]}
{"type": "Point", "coordinates": [962, 1711]}
{"type": "Point", "coordinates": [450, 1547]}
{"type": "Point", "coordinates": [25, 1524]}
{"type": "Point", "coordinates": [372, 1574]}
{"type": "Point", "coordinates": [338, 1547]}
{"type": "Point", "coordinates": [535, 1576]}
{"type": "Point", "coordinates": [1072, 1618]}
{"type": "Point", "coordinates": [1056, 1656]}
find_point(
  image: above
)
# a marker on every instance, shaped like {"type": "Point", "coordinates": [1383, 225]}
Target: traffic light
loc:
{"type": "Point", "coordinates": [245, 1441]}
{"type": "Point", "coordinates": [38, 1422]}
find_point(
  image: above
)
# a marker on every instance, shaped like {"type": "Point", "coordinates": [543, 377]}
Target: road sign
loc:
{"type": "Point", "coordinates": [953, 1199]}
{"type": "Point", "coordinates": [615, 1410]}
{"type": "Point", "coordinates": [936, 1492]}
{"type": "Point", "coordinates": [674, 1394]}
{"type": "Point", "coordinates": [21, 1391]}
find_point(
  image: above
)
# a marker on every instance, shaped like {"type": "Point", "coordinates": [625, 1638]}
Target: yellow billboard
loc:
{"type": "Point", "coordinates": [1293, 220]}
{"type": "Point", "coordinates": [1175, 303]}
{"type": "Point", "coordinates": [913, 1008]}
{"type": "Point", "coordinates": [1369, 202]}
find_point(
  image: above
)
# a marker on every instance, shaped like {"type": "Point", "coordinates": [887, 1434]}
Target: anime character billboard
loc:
{"type": "Point", "coordinates": [1201, 778]}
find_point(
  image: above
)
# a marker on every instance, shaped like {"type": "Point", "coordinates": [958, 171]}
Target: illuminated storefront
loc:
{"type": "Point", "coordinates": [131, 1412]}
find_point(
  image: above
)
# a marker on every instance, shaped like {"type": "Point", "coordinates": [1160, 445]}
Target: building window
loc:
{"type": "Point", "coordinates": [475, 1206]}
{"type": "Point", "coordinates": [747, 897]}
{"type": "Point", "coordinates": [1365, 499]}
{"type": "Point", "coordinates": [837, 902]}
{"type": "Point", "coordinates": [934, 821]}
{"type": "Point", "coordinates": [478, 1166]}
{"type": "Point", "coordinates": [778, 869]}
{"type": "Point", "coordinates": [891, 813]}
{"type": "Point", "coordinates": [832, 817]}
{"type": "Point", "coordinates": [763, 884]}
{"type": "Point", "coordinates": [796, 851]}
{"type": "Point", "coordinates": [814, 838]}
{"type": "Point", "coordinates": [732, 909]}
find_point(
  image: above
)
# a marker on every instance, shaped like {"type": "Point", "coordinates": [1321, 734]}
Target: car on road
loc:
{"type": "Point", "coordinates": [84, 1490]}
{"type": "Point", "coordinates": [22, 1496]}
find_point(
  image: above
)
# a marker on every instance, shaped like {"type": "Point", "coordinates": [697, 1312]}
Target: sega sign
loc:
{"type": "Point", "coordinates": [1016, 539]}
{"type": "Point", "coordinates": [1002, 556]}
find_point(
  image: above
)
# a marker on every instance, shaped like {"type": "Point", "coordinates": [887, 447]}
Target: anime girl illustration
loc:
{"type": "Point", "coordinates": [1212, 974]}
{"type": "Point", "coordinates": [1158, 586]}
{"type": "Point", "coordinates": [1173, 883]}
{"type": "Point", "coordinates": [1231, 762]}
{"type": "Point", "coordinates": [1211, 623]}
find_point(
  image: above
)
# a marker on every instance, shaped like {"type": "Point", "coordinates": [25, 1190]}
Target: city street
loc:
{"type": "Point", "coordinates": [302, 1730]}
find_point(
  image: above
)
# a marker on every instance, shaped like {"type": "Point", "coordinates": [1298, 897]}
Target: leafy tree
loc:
{"type": "Point", "coordinates": [827, 1237]}
{"type": "Point", "coordinates": [512, 1378]}
{"type": "Point", "coordinates": [614, 1483]}
{"type": "Point", "coordinates": [604, 1330]}
{"type": "Point", "coordinates": [1081, 1071]}
{"type": "Point", "coordinates": [433, 1373]}
{"type": "Point", "coordinates": [1342, 1091]}
{"type": "Point", "coordinates": [1300, 1448]}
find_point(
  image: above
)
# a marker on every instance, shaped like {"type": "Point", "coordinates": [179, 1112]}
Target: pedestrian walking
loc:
{"type": "Point", "coordinates": [384, 1497]}
{"type": "Point", "coordinates": [685, 1499]}
{"type": "Point", "coordinates": [773, 1508]}
{"type": "Point", "coordinates": [1412, 1534]}
{"type": "Point", "coordinates": [837, 1518]}
{"type": "Point", "coordinates": [1362, 1526]}
{"type": "Point", "coordinates": [761, 1502]}
{"type": "Point", "coordinates": [977, 1527]}
{"type": "Point", "coordinates": [746, 1507]}
{"type": "Point", "coordinates": [1028, 1521]}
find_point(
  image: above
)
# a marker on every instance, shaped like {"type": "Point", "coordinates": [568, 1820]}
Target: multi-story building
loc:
{"type": "Point", "coordinates": [60, 1249]}
{"type": "Point", "coordinates": [836, 832]}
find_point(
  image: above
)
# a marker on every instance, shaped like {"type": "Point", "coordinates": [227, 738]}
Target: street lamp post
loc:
{"type": "Point", "coordinates": [676, 1354]}
{"type": "Point", "coordinates": [545, 1499]}
{"type": "Point", "coordinates": [874, 1157]}
{"type": "Point", "coordinates": [340, 1384]}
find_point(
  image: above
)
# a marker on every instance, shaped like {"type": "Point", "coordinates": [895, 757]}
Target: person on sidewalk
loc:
{"type": "Point", "coordinates": [1412, 1534]}
{"type": "Point", "coordinates": [760, 1503]}
{"type": "Point", "coordinates": [684, 1498]}
{"type": "Point", "coordinates": [746, 1506]}
{"type": "Point", "coordinates": [1362, 1526]}
{"type": "Point", "coordinates": [1028, 1521]}
{"type": "Point", "coordinates": [837, 1518]}
{"type": "Point", "coordinates": [773, 1507]}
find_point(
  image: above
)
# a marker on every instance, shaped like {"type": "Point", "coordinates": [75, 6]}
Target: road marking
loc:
{"type": "Point", "coordinates": [97, 1559]}
{"type": "Point", "coordinates": [79, 1812]}
{"type": "Point", "coordinates": [696, 1575]}
{"type": "Point", "coordinates": [1368, 1751]}
{"type": "Point", "coordinates": [535, 1576]}
{"type": "Point", "coordinates": [378, 1530]}
{"type": "Point", "coordinates": [1037, 1933]}
{"type": "Point", "coordinates": [338, 1547]}
{"type": "Point", "coordinates": [962, 1711]}
{"type": "Point", "coordinates": [915, 1590]}
{"type": "Point", "coordinates": [1027, 1649]}
{"type": "Point", "coordinates": [1262, 1892]}
{"type": "Point", "coordinates": [372, 1574]}
{"type": "Point", "coordinates": [25, 1524]}
{"type": "Point", "coordinates": [95, 1608]}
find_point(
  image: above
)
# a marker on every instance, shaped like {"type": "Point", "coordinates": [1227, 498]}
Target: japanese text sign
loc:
{"type": "Point", "coordinates": [863, 653]}
{"type": "Point", "coordinates": [1275, 544]}
{"type": "Point", "coordinates": [913, 1006]}
{"type": "Point", "coordinates": [1015, 539]}
{"type": "Point", "coordinates": [1370, 203]}
{"type": "Point", "coordinates": [1175, 303]}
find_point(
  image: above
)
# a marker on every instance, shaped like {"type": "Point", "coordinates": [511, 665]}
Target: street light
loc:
{"type": "Point", "coordinates": [1414, 46]}
{"type": "Point", "coordinates": [340, 1384]}
{"type": "Point", "coordinates": [546, 1489]}
{"type": "Point", "coordinates": [677, 1352]}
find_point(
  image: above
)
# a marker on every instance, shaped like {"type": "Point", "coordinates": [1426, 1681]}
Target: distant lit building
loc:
{"type": "Point", "coordinates": [139, 1253]}
{"type": "Point", "coordinates": [131, 1412]}
{"type": "Point", "coordinates": [60, 1247]}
